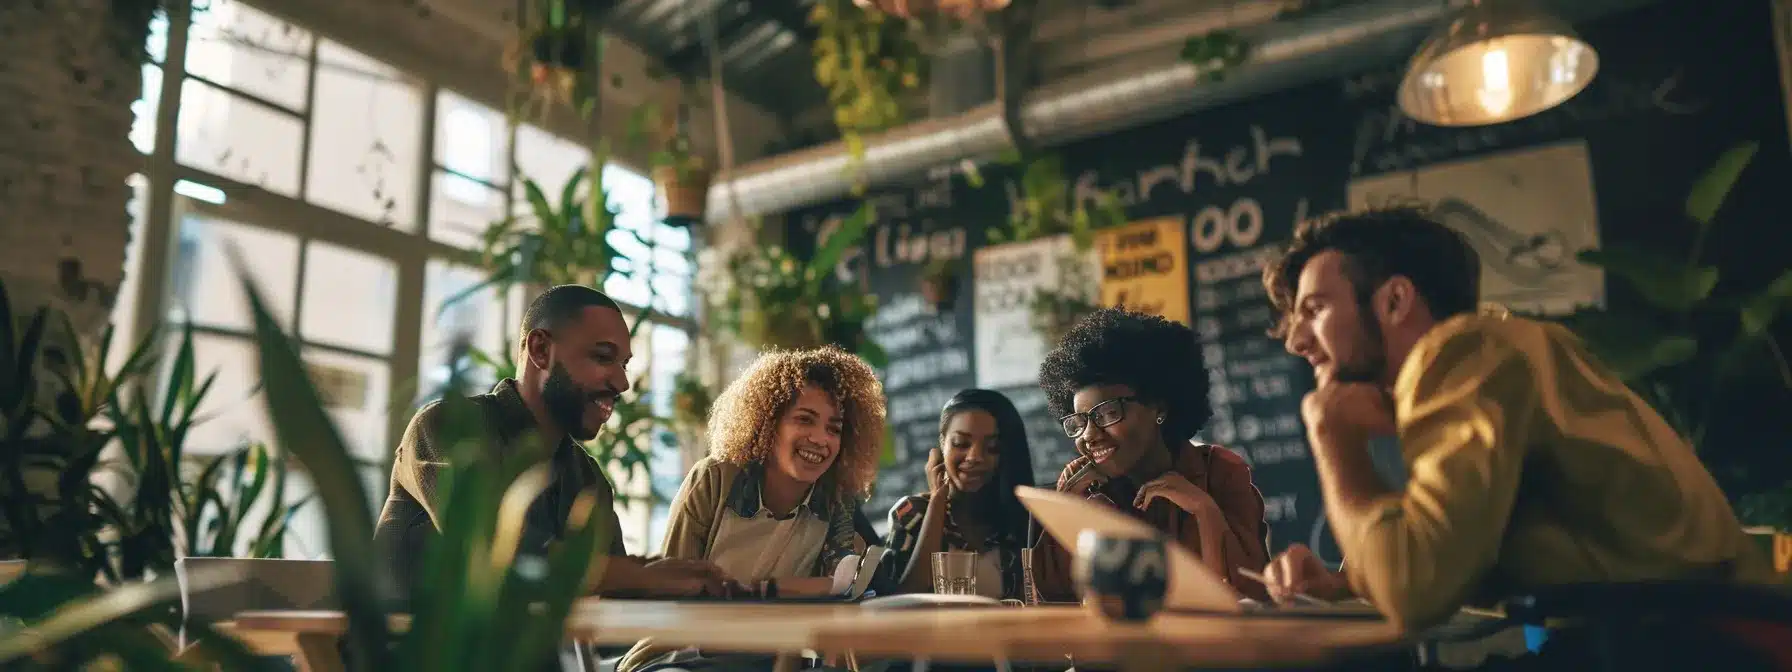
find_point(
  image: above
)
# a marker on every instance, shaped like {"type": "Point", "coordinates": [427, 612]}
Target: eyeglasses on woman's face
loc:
{"type": "Point", "coordinates": [1104, 414]}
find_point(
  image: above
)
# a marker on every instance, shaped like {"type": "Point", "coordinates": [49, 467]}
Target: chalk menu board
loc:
{"type": "Point", "coordinates": [1239, 177]}
{"type": "Point", "coordinates": [929, 349]}
{"type": "Point", "coordinates": [1679, 82]}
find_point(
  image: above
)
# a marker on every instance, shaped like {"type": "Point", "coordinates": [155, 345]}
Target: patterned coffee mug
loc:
{"type": "Point", "coordinates": [1121, 578]}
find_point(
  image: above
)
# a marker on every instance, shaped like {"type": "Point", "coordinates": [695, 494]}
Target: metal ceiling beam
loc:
{"type": "Point", "coordinates": [685, 60]}
{"type": "Point", "coordinates": [788, 14]}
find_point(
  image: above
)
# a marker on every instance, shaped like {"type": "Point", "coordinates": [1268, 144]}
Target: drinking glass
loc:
{"type": "Point", "coordinates": [955, 573]}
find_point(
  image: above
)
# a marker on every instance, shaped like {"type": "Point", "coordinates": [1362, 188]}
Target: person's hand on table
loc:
{"type": "Point", "coordinates": [1298, 571]}
{"type": "Point", "coordinates": [680, 577]}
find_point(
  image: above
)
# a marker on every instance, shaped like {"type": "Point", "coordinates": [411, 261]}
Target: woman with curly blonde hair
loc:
{"type": "Point", "coordinates": [793, 451]}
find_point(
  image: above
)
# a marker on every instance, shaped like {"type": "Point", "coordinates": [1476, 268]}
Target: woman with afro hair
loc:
{"type": "Point", "coordinates": [1130, 391]}
{"type": "Point", "coordinates": [793, 450]}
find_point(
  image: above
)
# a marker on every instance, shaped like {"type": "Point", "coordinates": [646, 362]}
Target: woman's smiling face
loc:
{"type": "Point", "coordinates": [808, 438]}
{"type": "Point", "coordinates": [1131, 428]}
{"type": "Point", "coordinates": [971, 448]}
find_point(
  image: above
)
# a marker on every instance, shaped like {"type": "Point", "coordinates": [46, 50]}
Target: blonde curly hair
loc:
{"type": "Point", "coordinates": [743, 422]}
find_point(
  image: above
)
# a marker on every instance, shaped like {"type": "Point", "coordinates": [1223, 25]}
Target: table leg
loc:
{"type": "Point", "coordinates": [318, 653]}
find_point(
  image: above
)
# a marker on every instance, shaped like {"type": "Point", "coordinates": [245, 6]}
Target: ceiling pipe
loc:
{"type": "Point", "coordinates": [1284, 54]}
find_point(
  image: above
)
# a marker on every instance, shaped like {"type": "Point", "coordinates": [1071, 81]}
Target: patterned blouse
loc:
{"type": "Point", "coordinates": [905, 533]}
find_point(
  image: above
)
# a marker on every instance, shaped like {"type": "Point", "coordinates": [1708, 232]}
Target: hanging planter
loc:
{"type": "Point", "coordinates": [685, 189]}
{"type": "Point", "coordinates": [555, 59]}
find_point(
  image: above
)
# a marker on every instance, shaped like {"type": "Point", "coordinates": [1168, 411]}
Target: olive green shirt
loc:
{"type": "Point", "coordinates": [412, 513]}
{"type": "Point", "coordinates": [1531, 464]}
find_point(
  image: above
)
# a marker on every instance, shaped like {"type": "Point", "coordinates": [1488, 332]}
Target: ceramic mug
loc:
{"type": "Point", "coordinates": [1121, 578]}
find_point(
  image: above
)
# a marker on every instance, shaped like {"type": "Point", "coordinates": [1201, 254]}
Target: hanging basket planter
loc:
{"type": "Point", "coordinates": [557, 58]}
{"type": "Point", "coordinates": [686, 193]}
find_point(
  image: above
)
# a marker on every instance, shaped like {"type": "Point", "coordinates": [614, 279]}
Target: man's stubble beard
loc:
{"type": "Point", "coordinates": [566, 402]}
{"type": "Point", "coordinates": [1370, 362]}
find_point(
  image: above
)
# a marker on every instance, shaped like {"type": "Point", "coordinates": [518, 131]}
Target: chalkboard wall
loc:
{"type": "Point", "coordinates": [1679, 82]}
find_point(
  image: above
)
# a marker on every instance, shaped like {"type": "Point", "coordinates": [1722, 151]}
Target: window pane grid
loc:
{"type": "Point", "coordinates": [247, 107]}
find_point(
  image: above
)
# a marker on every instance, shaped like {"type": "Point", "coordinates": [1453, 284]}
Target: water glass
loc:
{"type": "Point", "coordinates": [955, 573]}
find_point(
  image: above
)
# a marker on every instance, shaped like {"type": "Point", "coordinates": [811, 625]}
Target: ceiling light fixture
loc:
{"type": "Point", "coordinates": [1494, 62]}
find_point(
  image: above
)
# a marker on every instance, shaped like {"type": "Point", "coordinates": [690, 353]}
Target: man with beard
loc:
{"type": "Point", "coordinates": [574, 365]}
{"type": "Point", "coordinates": [1529, 463]}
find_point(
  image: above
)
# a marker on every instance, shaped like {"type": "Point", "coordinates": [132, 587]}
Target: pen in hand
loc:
{"type": "Point", "coordinates": [1302, 598]}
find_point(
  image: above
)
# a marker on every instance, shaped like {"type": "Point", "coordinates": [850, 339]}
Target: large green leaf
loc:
{"type": "Point", "coordinates": [1667, 283]}
{"type": "Point", "coordinates": [306, 431]}
{"type": "Point", "coordinates": [1713, 188]}
{"type": "Point", "coordinates": [852, 230]}
{"type": "Point", "coordinates": [1632, 347]}
{"type": "Point", "coordinates": [69, 610]}
{"type": "Point", "coordinates": [1759, 311]}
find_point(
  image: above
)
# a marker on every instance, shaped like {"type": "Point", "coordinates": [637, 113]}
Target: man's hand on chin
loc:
{"type": "Point", "coordinates": [1340, 420]}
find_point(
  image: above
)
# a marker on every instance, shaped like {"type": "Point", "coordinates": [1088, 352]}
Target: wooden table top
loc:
{"type": "Point", "coordinates": [1043, 634]}
{"type": "Point", "coordinates": [977, 634]}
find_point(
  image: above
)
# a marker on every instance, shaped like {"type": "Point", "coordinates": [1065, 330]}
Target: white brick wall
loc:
{"type": "Point", "coordinates": [65, 154]}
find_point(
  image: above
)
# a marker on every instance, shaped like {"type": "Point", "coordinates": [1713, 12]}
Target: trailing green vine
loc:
{"type": "Point", "coordinates": [866, 60]}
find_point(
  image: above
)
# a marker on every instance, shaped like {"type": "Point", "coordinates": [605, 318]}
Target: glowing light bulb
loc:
{"type": "Point", "coordinates": [1495, 93]}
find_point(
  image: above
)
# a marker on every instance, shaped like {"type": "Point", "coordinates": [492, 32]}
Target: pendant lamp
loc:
{"type": "Point", "coordinates": [1493, 62]}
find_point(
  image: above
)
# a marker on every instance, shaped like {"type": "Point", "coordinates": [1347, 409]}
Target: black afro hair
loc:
{"type": "Point", "coordinates": [1152, 355]}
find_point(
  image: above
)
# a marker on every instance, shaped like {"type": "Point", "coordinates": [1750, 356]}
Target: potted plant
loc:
{"type": "Point", "coordinates": [1041, 205]}
{"type": "Point", "coordinates": [556, 57]}
{"type": "Point", "coordinates": [565, 241]}
{"type": "Point", "coordinates": [1057, 308]}
{"type": "Point", "coordinates": [682, 180]}
{"type": "Point", "coordinates": [939, 284]}
{"type": "Point", "coordinates": [680, 175]}
{"type": "Point", "coordinates": [769, 299]}
{"type": "Point", "coordinates": [1684, 345]}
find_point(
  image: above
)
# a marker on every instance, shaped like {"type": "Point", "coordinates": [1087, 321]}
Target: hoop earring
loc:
{"type": "Point", "coordinates": [1160, 419]}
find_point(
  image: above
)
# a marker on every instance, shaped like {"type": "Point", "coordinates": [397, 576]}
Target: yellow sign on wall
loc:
{"type": "Point", "coordinates": [1144, 267]}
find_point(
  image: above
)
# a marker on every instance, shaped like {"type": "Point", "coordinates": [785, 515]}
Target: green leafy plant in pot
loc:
{"type": "Point", "coordinates": [1043, 205]}
{"type": "Point", "coordinates": [770, 299]}
{"type": "Point", "coordinates": [89, 554]}
{"type": "Point", "coordinates": [680, 175]}
{"type": "Point", "coordinates": [556, 57]}
{"type": "Point", "coordinates": [1685, 345]}
{"type": "Point", "coordinates": [54, 392]}
{"type": "Point", "coordinates": [566, 241]}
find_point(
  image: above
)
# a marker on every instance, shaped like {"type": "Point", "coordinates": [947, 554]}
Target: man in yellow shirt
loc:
{"type": "Point", "coordinates": [1530, 464]}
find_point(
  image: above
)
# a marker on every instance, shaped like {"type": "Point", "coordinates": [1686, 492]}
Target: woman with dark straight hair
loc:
{"type": "Point", "coordinates": [969, 504]}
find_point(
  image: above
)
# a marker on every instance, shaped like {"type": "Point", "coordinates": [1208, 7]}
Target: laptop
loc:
{"type": "Point", "coordinates": [1193, 586]}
